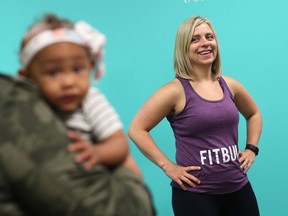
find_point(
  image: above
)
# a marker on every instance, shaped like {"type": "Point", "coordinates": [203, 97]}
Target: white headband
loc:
{"type": "Point", "coordinates": [82, 34]}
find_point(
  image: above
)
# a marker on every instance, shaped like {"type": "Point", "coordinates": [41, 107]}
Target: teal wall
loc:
{"type": "Point", "coordinates": [139, 54]}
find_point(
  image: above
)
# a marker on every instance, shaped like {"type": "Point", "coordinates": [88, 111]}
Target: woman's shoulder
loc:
{"type": "Point", "coordinates": [174, 87]}
{"type": "Point", "coordinates": [168, 93]}
{"type": "Point", "coordinates": [232, 83]}
{"type": "Point", "coordinates": [228, 79]}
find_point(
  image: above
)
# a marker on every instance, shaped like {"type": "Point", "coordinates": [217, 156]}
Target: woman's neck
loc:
{"type": "Point", "coordinates": [203, 73]}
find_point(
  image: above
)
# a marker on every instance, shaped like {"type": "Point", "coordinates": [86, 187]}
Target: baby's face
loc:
{"type": "Point", "coordinates": [62, 71]}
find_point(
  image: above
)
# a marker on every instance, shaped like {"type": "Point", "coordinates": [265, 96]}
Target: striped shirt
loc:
{"type": "Point", "coordinates": [96, 120]}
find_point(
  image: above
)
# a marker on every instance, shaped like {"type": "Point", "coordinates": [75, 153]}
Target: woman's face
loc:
{"type": "Point", "coordinates": [203, 47]}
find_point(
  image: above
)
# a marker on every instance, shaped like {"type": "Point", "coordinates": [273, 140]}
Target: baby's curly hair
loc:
{"type": "Point", "coordinates": [55, 22]}
{"type": "Point", "coordinates": [47, 22]}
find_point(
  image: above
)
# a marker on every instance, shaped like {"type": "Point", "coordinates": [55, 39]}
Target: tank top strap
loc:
{"type": "Point", "coordinates": [187, 87]}
{"type": "Point", "coordinates": [225, 86]}
{"type": "Point", "coordinates": [185, 83]}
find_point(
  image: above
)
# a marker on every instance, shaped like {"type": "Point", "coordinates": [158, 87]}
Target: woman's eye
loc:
{"type": "Point", "coordinates": [210, 37]}
{"type": "Point", "coordinates": [194, 40]}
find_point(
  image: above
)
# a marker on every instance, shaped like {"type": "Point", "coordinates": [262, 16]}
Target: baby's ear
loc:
{"type": "Point", "coordinates": [92, 60]}
{"type": "Point", "coordinates": [22, 72]}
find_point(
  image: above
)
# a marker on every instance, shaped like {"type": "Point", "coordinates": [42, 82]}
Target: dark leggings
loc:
{"type": "Point", "coordinates": [239, 203]}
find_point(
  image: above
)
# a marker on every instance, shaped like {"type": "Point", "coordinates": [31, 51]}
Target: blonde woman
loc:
{"type": "Point", "coordinates": [209, 177]}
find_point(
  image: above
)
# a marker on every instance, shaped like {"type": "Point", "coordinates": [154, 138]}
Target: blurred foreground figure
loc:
{"type": "Point", "coordinates": [38, 176]}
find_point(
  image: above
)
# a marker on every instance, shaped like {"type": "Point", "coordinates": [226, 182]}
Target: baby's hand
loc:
{"type": "Point", "coordinates": [85, 150]}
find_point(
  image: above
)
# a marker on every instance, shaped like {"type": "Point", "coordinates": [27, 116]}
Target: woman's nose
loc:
{"type": "Point", "coordinates": [204, 42]}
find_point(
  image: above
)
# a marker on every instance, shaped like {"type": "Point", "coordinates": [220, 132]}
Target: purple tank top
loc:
{"type": "Point", "coordinates": [206, 134]}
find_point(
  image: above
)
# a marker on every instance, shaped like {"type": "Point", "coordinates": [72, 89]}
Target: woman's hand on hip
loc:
{"type": "Point", "coordinates": [181, 174]}
{"type": "Point", "coordinates": [246, 159]}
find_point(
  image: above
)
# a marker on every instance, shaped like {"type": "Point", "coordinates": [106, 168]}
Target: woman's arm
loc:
{"type": "Point", "coordinates": [168, 99]}
{"type": "Point", "coordinates": [249, 109]}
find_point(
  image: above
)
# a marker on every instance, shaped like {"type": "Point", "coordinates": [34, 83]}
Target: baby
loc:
{"type": "Point", "coordinates": [58, 56]}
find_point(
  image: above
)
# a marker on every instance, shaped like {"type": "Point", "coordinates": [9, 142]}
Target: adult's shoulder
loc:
{"type": "Point", "coordinates": [169, 97]}
{"type": "Point", "coordinates": [174, 86]}
{"type": "Point", "coordinates": [229, 80]}
{"type": "Point", "coordinates": [233, 84]}
{"type": "Point", "coordinates": [170, 91]}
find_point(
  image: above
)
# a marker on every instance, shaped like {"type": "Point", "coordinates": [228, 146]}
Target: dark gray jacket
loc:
{"type": "Point", "coordinates": [38, 175]}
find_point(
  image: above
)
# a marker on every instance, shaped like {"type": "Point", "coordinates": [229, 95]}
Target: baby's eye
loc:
{"type": "Point", "coordinates": [79, 69]}
{"type": "Point", "coordinates": [53, 73]}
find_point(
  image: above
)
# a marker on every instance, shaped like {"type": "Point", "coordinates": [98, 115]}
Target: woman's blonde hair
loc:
{"type": "Point", "coordinates": [182, 64]}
